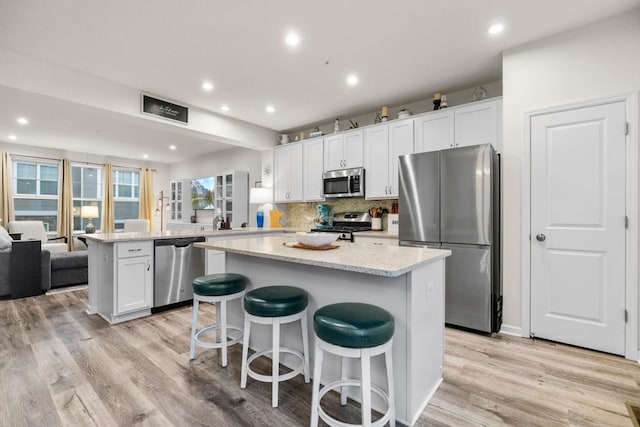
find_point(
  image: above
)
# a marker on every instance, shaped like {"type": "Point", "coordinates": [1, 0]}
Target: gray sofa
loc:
{"type": "Point", "coordinates": [56, 269]}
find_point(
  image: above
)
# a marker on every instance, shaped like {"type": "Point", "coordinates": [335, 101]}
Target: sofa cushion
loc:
{"type": "Point", "coordinates": [56, 247]}
{"type": "Point", "coordinates": [5, 239]}
{"type": "Point", "coordinates": [67, 260]}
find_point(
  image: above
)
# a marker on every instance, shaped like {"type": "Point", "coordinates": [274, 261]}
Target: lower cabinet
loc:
{"type": "Point", "coordinates": [134, 289]}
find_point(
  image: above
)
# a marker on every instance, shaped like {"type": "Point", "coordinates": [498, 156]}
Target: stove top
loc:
{"type": "Point", "coordinates": [344, 229]}
{"type": "Point", "coordinates": [348, 223]}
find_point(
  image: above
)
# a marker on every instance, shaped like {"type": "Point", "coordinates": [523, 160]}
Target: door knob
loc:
{"type": "Point", "coordinates": [541, 237]}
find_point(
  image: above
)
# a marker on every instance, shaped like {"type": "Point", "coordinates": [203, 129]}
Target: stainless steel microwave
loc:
{"type": "Point", "coordinates": [343, 183]}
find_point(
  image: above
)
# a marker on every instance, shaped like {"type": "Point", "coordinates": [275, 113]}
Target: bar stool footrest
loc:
{"type": "Point", "coordinates": [269, 378]}
{"type": "Point", "coordinates": [230, 340]}
{"type": "Point", "coordinates": [354, 383]}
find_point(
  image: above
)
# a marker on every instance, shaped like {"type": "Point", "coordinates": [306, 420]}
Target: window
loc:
{"type": "Point", "coordinates": [87, 190]}
{"type": "Point", "coordinates": [126, 196]}
{"type": "Point", "coordinates": [36, 189]}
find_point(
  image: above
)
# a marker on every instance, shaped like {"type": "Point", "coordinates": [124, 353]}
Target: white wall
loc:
{"type": "Point", "coordinates": [242, 159]}
{"type": "Point", "coordinates": [160, 179]}
{"type": "Point", "coordinates": [596, 61]}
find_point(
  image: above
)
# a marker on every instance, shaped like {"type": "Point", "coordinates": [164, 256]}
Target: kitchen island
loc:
{"type": "Point", "coordinates": [121, 268]}
{"type": "Point", "coordinates": [407, 282]}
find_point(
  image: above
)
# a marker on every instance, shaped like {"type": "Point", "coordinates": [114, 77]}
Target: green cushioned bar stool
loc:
{"type": "Point", "coordinates": [353, 330]}
{"type": "Point", "coordinates": [275, 305]}
{"type": "Point", "coordinates": [216, 289]}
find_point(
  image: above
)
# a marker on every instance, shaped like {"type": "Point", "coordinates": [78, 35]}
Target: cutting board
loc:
{"type": "Point", "coordinates": [314, 248]}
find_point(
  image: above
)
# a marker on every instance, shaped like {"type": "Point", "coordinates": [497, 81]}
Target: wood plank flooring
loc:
{"type": "Point", "coordinates": [59, 366]}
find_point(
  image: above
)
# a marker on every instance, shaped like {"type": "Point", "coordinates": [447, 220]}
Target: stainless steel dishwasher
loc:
{"type": "Point", "coordinates": [177, 263]}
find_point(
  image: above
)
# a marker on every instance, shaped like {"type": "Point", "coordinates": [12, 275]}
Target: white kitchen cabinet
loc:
{"type": "Point", "coordinates": [288, 173]}
{"type": "Point", "coordinates": [478, 123]}
{"type": "Point", "coordinates": [434, 131]}
{"type": "Point", "coordinates": [232, 196]}
{"type": "Point", "coordinates": [383, 144]}
{"type": "Point", "coordinates": [180, 200]}
{"type": "Point", "coordinates": [134, 277]}
{"type": "Point", "coordinates": [343, 151]}
{"type": "Point", "coordinates": [312, 167]}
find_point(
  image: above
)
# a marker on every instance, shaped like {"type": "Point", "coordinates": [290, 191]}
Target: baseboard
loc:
{"type": "Point", "coordinates": [516, 331]}
{"type": "Point", "coordinates": [638, 358]}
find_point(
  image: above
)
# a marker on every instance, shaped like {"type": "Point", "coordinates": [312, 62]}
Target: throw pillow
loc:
{"type": "Point", "coordinates": [5, 239]}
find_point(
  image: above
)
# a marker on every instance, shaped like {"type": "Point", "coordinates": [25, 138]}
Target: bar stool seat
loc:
{"type": "Point", "coordinates": [353, 330]}
{"type": "Point", "coordinates": [217, 289]}
{"type": "Point", "coordinates": [275, 305]}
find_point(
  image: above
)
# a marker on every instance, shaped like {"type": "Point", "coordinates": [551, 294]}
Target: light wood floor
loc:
{"type": "Point", "coordinates": [59, 366]}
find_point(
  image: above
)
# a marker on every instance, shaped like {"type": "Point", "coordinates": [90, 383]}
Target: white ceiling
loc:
{"type": "Point", "coordinates": [402, 51]}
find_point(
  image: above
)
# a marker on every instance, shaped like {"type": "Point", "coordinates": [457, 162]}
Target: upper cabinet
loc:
{"type": "Point", "coordinates": [435, 131]}
{"type": "Point", "coordinates": [288, 173]}
{"type": "Point", "coordinates": [472, 124]}
{"type": "Point", "coordinates": [312, 152]}
{"type": "Point", "coordinates": [232, 196]}
{"type": "Point", "coordinates": [343, 151]}
{"type": "Point", "coordinates": [478, 123]}
{"type": "Point", "coordinates": [383, 144]}
{"type": "Point", "coordinates": [180, 200]}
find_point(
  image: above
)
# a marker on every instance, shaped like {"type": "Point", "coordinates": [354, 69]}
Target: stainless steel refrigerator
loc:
{"type": "Point", "coordinates": [450, 199]}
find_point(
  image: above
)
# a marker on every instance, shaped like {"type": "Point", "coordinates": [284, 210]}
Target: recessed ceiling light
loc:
{"type": "Point", "coordinates": [13, 137]}
{"type": "Point", "coordinates": [145, 156]}
{"type": "Point", "coordinates": [22, 120]}
{"type": "Point", "coordinates": [293, 39]}
{"type": "Point", "coordinates": [207, 86]}
{"type": "Point", "coordinates": [352, 80]}
{"type": "Point", "coordinates": [270, 109]}
{"type": "Point", "coordinates": [172, 147]}
{"type": "Point", "coordinates": [495, 29]}
{"type": "Point", "coordinates": [224, 107]}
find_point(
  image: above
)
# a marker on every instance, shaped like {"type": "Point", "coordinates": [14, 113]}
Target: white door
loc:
{"type": "Point", "coordinates": [353, 149]}
{"type": "Point", "coordinates": [334, 152]}
{"type": "Point", "coordinates": [578, 227]}
{"type": "Point", "coordinates": [312, 168]}
{"type": "Point", "coordinates": [477, 124]}
{"type": "Point", "coordinates": [135, 284]}
{"type": "Point", "coordinates": [434, 131]}
{"type": "Point", "coordinates": [376, 142]}
{"type": "Point", "coordinates": [400, 143]}
{"type": "Point", "coordinates": [282, 173]}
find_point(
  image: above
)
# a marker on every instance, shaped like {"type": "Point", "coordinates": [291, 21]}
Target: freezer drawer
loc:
{"type": "Point", "coordinates": [469, 301]}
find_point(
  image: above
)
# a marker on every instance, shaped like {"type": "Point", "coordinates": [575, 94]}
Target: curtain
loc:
{"type": "Point", "coordinates": [146, 196]}
{"type": "Point", "coordinates": [108, 206]}
{"type": "Point", "coordinates": [6, 190]}
{"type": "Point", "coordinates": [65, 208]}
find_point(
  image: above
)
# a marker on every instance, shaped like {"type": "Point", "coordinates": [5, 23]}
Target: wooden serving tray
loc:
{"type": "Point", "coordinates": [315, 248]}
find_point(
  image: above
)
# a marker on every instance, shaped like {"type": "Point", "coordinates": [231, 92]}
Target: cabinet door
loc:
{"type": "Point", "coordinates": [376, 162]}
{"type": "Point", "coordinates": [134, 289]}
{"type": "Point", "coordinates": [295, 168]}
{"type": "Point", "coordinates": [353, 150]}
{"type": "Point", "coordinates": [282, 174]}
{"type": "Point", "coordinates": [434, 131]}
{"type": "Point", "coordinates": [333, 152]}
{"type": "Point", "coordinates": [312, 152]}
{"type": "Point", "coordinates": [400, 143]}
{"type": "Point", "coordinates": [476, 124]}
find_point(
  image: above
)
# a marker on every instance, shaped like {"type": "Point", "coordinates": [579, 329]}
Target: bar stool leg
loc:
{"type": "Point", "coordinates": [194, 322]}
{"type": "Point", "coordinates": [305, 346]}
{"type": "Point", "coordinates": [365, 384]}
{"type": "Point", "coordinates": [343, 389]}
{"type": "Point", "coordinates": [245, 352]}
{"type": "Point", "coordinates": [223, 333]}
{"type": "Point", "coordinates": [317, 372]}
{"type": "Point", "coordinates": [392, 397]}
{"type": "Point", "coordinates": [275, 368]}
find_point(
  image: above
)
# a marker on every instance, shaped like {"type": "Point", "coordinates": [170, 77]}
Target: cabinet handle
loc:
{"type": "Point", "coordinates": [135, 250]}
{"type": "Point", "coordinates": [148, 265]}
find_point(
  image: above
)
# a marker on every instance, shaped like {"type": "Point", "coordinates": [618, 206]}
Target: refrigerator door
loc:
{"type": "Point", "coordinates": [468, 299]}
{"type": "Point", "coordinates": [419, 197]}
{"type": "Point", "coordinates": [466, 195]}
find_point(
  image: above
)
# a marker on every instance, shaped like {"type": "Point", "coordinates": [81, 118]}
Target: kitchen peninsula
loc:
{"type": "Point", "coordinates": [407, 282]}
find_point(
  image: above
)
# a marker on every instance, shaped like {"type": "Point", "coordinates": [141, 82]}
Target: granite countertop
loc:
{"type": "Point", "coordinates": [390, 261]}
{"type": "Point", "coordinates": [157, 235]}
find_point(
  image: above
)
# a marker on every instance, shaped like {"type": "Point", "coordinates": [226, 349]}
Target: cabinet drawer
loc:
{"type": "Point", "coordinates": [131, 249]}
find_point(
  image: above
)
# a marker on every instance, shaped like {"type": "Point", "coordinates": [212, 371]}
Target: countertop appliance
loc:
{"type": "Point", "coordinates": [450, 199]}
{"type": "Point", "coordinates": [177, 263]}
{"type": "Point", "coordinates": [347, 223]}
{"type": "Point", "coordinates": [343, 183]}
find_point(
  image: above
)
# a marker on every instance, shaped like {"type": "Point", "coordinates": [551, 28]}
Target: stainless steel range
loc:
{"type": "Point", "coordinates": [347, 223]}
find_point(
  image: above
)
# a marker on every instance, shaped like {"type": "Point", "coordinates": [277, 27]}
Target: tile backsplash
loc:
{"type": "Point", "coordinates": [301, 216]}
